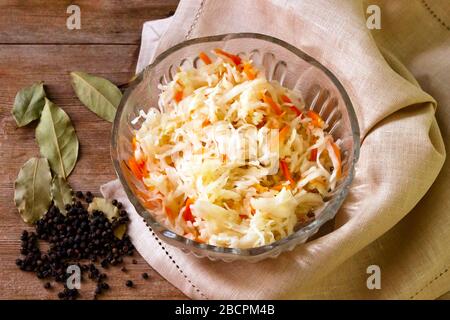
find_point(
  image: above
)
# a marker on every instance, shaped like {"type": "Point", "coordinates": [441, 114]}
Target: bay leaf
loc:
{"type": "Point", "coordinates": [28, 104]}
{"type": "Point", "coordinates": [61, 193]}
{"type": "Point", "coordinates": [120, 231]}
{"type": "Point", "coordinates": [32, 189]}
{"type": "Point", "coordinates": [104, 206]}
{"type": "Point", "coordinates": [57, 139]}
{"type": "Point", "coordinates": [98, 94]}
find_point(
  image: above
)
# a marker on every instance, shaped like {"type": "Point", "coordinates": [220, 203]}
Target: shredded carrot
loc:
{"type": "Point", "coordinates": [316, 119]}
{"type": "Point", "coordinates": [206, 123]}
{"type": "Point", "coordinates": [249, 71]}
{"type": "Point", "coordinates": [313, 155]}
{"type": "Point", "coordinates": [137, 168]}
{"type": "Point", "coordinates": [170, 214]}
{"type": "Point", "coordinates": [275, 107]}
{"type": "Point", "coordinates": [337, 152]}
{"type": "Point", "coordinates": [187, 215]}
{"type": "Point", "coordinates": [284, 132]}
{"type": "Point", "coordinates": [198, 239]}
{"type": "Point", "coordinates": [278, 187]}
{"type": "Point", "coordinates": [133, 143]}
{"type": "Point", "coordinates": [262, 123]}
{"type": "Point", "coordinates": [134, 167]}
{"type": "Point", "coordinates": [178, 96]}
{"type": "Point", "coordinates": [293, 108]}
{"type": "Point", "coordinates": [149, 204]}
{"type": "Point", "coordinates": [285, 98]}
{"type": "Point", "coordinates": [204, 58]}
{"type": "Point", "coordinates": [286, 172]}
{"type": "Point", "coordinates": [236, 59]}
{"type": "Point", "coordinates": [296, 110]}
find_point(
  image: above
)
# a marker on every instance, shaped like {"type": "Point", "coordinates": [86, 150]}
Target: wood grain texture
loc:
{"type": "Point", "coordinates": [107, 46]}
{"type": "Point", "coordinates": [102, 21]}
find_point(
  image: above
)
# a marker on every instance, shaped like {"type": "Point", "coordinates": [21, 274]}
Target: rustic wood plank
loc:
{"type": "Point", "coordinates": [112, 21]}
{"type": "Point", "coordinates": [21, 65]}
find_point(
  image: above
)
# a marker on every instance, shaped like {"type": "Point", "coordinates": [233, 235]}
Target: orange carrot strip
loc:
{"type": "Point", "coordinates": [178, 96]}
{"type": "Point", "coordinates": [236, 59]}
{"type": "Point", "coordinates": [284, 132]}
{"type": "Point", "coordinates": [313, 155]}
{"type": "Point", "coordinates": [204, 58]}
{"type": "Point", "coordinates": [293, 108]}
{"type": "Point", "coordinates": [275, 107]}
{"type": "Point", "coordinates": [285, 99]}
{"type": "Point", "coordinates": [278, 187]}
{"type": "Point", "coordinates": [296, 110]}
{"type": "Point", "coordinates": [170, 214]}
{"type": "Point", "coordinates": [286, 172]}
{"type": "Point", "coordinates": [249, 71]}
{"type": "Point", "coordinates": [316, 119]}
{"type": "Point", "coordinates": [206, 123]}
{"type": "Point", "coordinates": [135, 168]}
{"type": "Point", "coordinates": [337, 152]}
{"type": "Point", "coordinates": [187, 215]}
{"type": "Point", "coordinates": [133, 144]}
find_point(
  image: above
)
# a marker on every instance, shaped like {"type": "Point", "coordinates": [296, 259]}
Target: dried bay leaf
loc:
{"type": "Point", "coordinates": [28, 104]}
{"type": "Point", "coordinates": [120, 231]}
{"type": "Point", "coordinates": [57, 139]}
{"type": "Point", "coordinates": [61, 193]}
{"type": "Point", "coordinates": [111, 212]}
{"type": "Point", "coordinates": [104, 206]}
{"type": "Point", "coordinates": [98, 94]}
{"type": "Point", "coordinates": [32, 189]}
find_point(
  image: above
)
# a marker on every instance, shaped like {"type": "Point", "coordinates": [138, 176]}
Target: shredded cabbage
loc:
{"type": "Point", "coordinates": [213, 168]}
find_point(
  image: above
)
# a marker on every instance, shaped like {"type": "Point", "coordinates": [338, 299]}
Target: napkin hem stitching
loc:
{"type": "Point", "coordinates": [430, 282]}
{"type": "Point", "coordinates": [195, 21]}
{"type": "Point", "coordinates": [434, 15]}
{"type": "Point", "coordinates": [176, 264]}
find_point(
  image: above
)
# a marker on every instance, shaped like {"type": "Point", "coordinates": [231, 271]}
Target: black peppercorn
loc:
{"type": "Point", "coordinates": [145, 275]}
{"type": "Point", "coordinates": [76, 236]}
{"type": "Point", "coordinates": [47, 285]}
{"type": "Point", "coordinates": [98, 289]}
{"type": "Point", "coordinates": [79, 195]}
{"type": "Point", "coordinates": [129, 283]}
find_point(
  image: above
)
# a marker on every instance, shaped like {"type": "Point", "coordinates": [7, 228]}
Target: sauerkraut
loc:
{"type": "Point", "coordinates": [230, 158]}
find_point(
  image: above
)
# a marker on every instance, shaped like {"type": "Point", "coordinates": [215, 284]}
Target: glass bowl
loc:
{"type": "Point", "coordinates": [290, 66]}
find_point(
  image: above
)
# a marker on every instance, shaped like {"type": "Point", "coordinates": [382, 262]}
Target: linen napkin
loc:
{"type": "Point", "coordinates": [402, 153]}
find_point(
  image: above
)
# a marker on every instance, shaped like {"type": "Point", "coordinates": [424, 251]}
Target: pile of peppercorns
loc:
{"type": "Point", "coordinates": [72, 238]}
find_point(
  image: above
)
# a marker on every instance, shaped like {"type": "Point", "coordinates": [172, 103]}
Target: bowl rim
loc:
{"type": "Point", "coordinates": [306, 231]}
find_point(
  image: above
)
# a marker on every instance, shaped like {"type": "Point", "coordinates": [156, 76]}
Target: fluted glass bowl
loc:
{"type": "Point", "coordinates": [290, 66]}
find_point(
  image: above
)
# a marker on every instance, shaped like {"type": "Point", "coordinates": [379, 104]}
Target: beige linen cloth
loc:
{"type": "Point", "coordinates": [382, 222]}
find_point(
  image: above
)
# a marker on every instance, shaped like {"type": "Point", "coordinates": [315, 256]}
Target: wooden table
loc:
{"type": "Point", "coordinates": [35, 44]}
